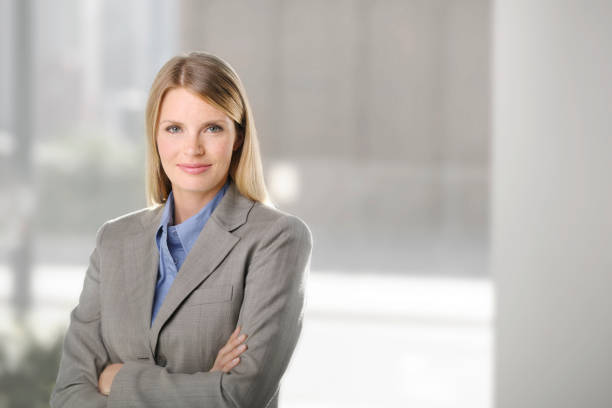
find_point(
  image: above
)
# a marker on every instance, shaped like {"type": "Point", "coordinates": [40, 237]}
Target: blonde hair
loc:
{"type": "Point", "coordinates": [219, 85]}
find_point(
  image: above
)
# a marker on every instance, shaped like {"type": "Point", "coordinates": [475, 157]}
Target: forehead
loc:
{"type": "Point", "coordinates": [182, 103]}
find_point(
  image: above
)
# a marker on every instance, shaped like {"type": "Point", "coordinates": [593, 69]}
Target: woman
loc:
{"type": "Point", "coordinates": [169, 287]}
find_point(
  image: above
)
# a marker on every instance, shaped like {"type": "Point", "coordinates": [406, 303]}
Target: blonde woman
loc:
{"type": "Point", "coordinates": [196, 300]}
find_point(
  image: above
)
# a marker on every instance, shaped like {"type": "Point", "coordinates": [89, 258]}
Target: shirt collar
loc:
{"type": "Point", "coordinates": [189, 230]}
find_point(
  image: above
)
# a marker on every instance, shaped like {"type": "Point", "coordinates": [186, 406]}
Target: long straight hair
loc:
{"type": "Point", "coordinates": [219, 85]}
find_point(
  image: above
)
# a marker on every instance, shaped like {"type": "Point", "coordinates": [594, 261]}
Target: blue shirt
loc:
{"type": "Point", "coordinates": [175, 241]}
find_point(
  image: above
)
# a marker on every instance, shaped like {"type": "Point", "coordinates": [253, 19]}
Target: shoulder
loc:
{"type": "Point", "coordinates": [269, 223]}
{"type": "Point", "coordinates": [131, 223]}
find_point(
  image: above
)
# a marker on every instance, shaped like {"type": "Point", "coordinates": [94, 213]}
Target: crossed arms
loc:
{"type": "Point", "coordinates": [271, 315]}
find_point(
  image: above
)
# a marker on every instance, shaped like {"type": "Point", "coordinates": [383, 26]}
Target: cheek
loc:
{"type": "Point", "coordinates": [222, 149]}
{"type": "Point", "coordinates": [165, 148]}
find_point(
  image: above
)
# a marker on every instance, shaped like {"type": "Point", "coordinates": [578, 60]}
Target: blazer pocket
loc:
{"type": "Point", "coordinates": [210, 294]}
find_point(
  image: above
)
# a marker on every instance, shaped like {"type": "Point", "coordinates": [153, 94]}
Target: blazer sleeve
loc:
{"type": "Point", "coordinates": [83, 354]}
{"type": "Point", "coordinates": [271, 315]}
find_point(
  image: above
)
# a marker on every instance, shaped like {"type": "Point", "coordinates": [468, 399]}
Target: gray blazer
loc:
{"type": "Point", "coordinates": [249, 267]}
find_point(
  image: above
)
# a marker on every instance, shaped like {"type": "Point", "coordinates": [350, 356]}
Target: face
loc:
{"type": "Point", "coordinates": [195, 143]}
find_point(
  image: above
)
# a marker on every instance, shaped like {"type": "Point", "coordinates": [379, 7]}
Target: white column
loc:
{"type": "Point", "coordinates": [552, 203]}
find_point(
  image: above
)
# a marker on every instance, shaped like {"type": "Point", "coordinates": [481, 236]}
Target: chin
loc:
{"type": "Point", "coordinates": [195, 187]}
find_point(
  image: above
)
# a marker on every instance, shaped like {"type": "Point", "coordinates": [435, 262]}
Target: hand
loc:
{"type": "Point", "coordinates": [227, 358]}
{"type": "Point", "coordinates": [106, 378]}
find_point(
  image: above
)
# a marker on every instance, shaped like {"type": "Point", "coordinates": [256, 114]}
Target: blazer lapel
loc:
{"type": "Point", "coordinates": [213, 244]}
{"type": "Point", "coordinates": [141, 260]}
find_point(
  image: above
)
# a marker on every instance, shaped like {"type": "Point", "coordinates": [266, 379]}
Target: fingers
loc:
{"type": "Point", "coordinates": [233, 342]}
{"type": "Point", "coordinates": [231, 355]}
{"type": "Point", "coordinates": [227, 357]}
{"type": "Point", "coordinates": [231, 364]}
{"type": "Point", "coordinates": [236, 352]}
{"type": "Point", "coordinates": [235, 333]}
{"type": "Point", "coordinates": [232, 359]}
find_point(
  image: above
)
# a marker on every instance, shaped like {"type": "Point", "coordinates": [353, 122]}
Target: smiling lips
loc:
{"type": "Point", "coordinates": [194, 168]}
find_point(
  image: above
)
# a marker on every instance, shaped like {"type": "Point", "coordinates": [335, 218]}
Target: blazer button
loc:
{"type": "Point", "coordinates": [161, 360]}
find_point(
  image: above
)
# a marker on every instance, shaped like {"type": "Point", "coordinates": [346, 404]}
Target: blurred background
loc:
{"type": "Point", "coordinates": [384, 125]}
{"type": "Point", "coordinates": [373, 118]}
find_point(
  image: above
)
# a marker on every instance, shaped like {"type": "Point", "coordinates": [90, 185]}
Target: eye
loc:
{"type": "Point", "coordinates": [215, 128]}
{"type": "Point", "coordinates": [172, 129]}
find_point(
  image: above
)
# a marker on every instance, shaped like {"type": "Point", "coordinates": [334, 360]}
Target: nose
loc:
{"type": "Point", "coordinates": [194, 147]}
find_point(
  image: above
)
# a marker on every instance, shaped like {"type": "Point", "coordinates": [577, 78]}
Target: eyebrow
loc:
{"type": "Point", "coordinates": [210, 122]}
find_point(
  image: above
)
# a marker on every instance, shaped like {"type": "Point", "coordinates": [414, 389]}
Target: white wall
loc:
{"type": "Point", "coordinates": [552, 203]}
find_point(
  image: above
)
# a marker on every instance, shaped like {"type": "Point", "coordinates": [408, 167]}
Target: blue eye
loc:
{"type": "Point", "coordinates": [219, 128]}
{"type": "Point", "coordinates": [172, 129]}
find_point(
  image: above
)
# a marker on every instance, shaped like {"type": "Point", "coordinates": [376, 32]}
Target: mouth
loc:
{"type": "Point", "coordinates": [194, 168]}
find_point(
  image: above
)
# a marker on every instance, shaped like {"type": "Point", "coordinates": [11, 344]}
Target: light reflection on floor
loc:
{"type": "Point", "coordinates": [368, 340]}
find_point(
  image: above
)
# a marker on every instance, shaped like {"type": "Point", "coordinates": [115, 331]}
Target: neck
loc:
{"type": "Point", "coordinates": [189, 203]}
